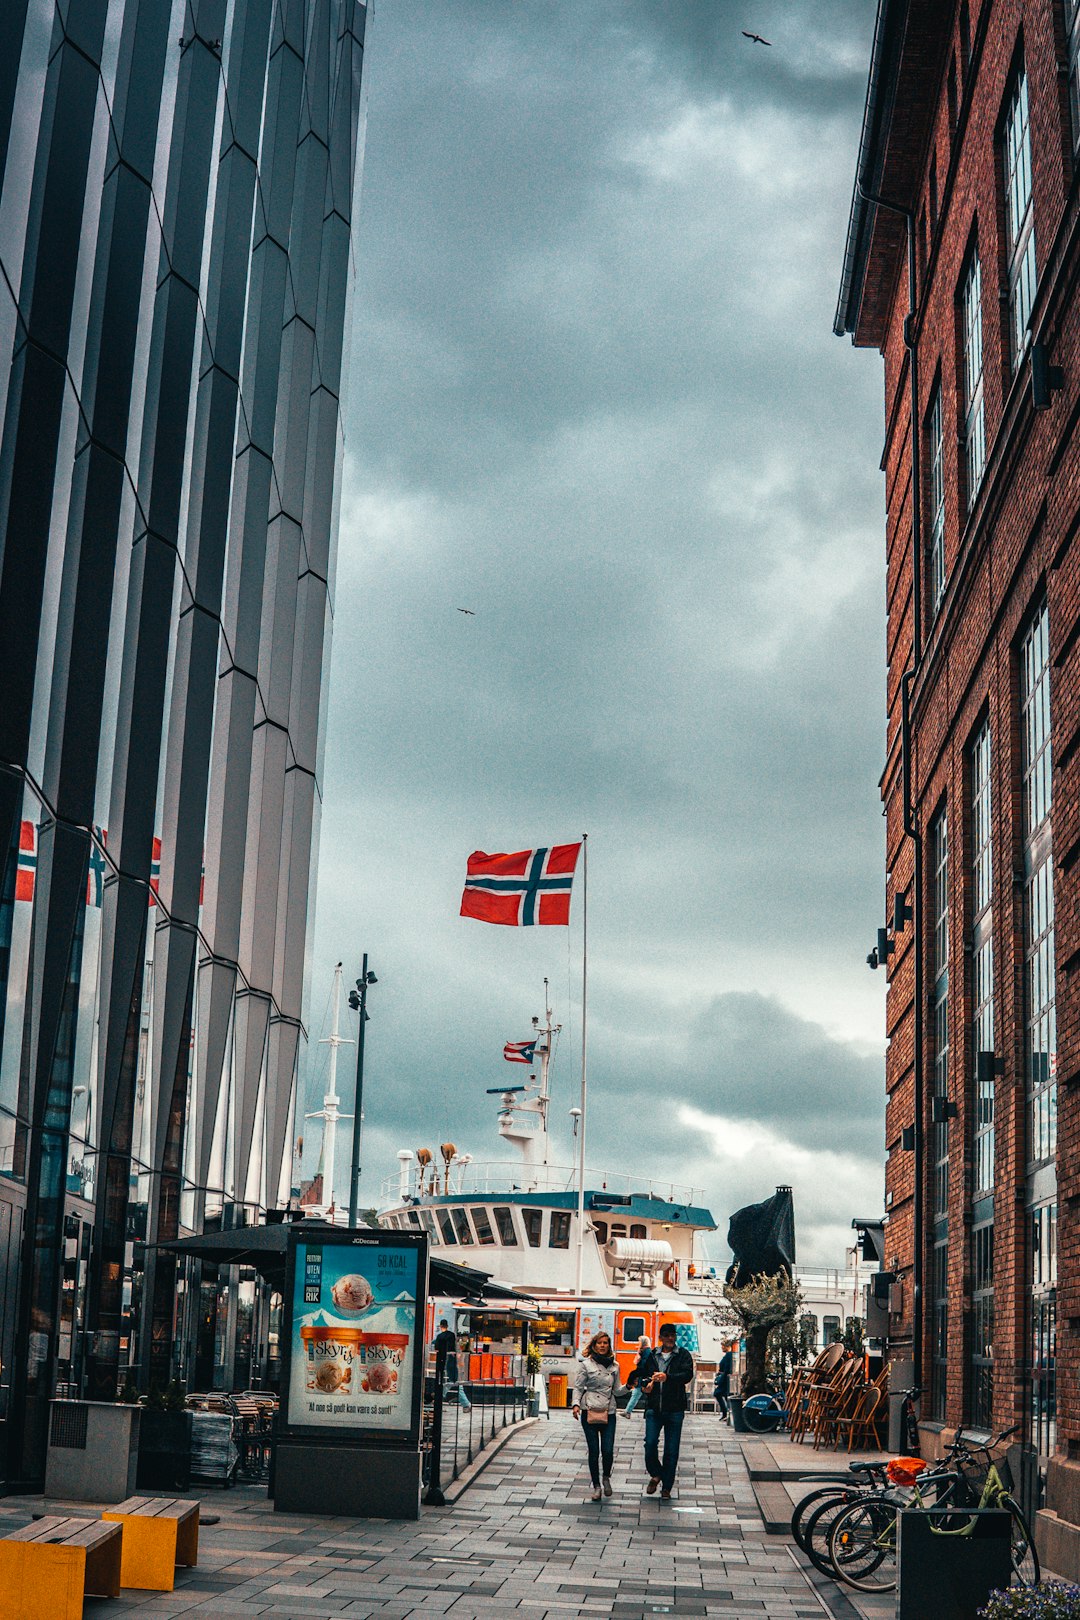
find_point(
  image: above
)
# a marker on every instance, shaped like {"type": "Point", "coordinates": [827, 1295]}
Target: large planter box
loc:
{"type": "Point", "coordinates": [93, 1451]}
{"type": "Point", "coordinates": [948, 1576]}
{"type": "Point", "coordinates": [165, 1451]}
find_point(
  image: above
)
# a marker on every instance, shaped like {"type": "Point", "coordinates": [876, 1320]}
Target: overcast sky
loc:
{"type": "Point", "coordinates": [596, 399]}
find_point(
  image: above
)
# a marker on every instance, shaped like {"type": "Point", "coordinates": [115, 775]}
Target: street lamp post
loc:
{"type": "Point", "coordinates": [357, 1000]}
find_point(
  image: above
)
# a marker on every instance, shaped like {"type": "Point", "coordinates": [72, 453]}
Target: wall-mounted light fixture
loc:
{"type": "Point", "coordinates": [941, 1109]}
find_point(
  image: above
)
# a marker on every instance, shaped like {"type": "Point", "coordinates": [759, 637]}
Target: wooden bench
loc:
{"type": "Point", "coordinates": [159, 1533]}
{"type": "Point", "coordinates": [48, 1567]}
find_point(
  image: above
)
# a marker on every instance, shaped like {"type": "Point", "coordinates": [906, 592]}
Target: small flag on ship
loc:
{"type": "Point", "coordinates": [519, 1051]}
{"type": "Point", "coordinates": [521, 890]}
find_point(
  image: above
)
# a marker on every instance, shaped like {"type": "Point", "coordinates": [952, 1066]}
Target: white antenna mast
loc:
{"type": "Point", "coordinates": [329, 1113]}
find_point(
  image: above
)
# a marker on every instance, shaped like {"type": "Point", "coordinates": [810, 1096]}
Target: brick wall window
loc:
{"type": "Point", "coordinates": [939, 847]}
{"type": "Point", "coordinates": [1072, 30]}
{"type": "Point", "coordinates": [981, 1384]}
{"type": "Point", "coordinates": [1019, 216]}
{"type": "Point", "coordinates": [1044, 1329]}
{"type": "Point", "coordinates": [982, 962]}
{"type": "Point", "coordinates": [972, 346]}
{"type": "Point", "coordinates": [936, 477]}
{"type": "Point", "coordinates": [940, 998]}
{"type": "Point", "coordinates": [939, 1326]}
{"type": "Point", "coordinates": [1040, 998]}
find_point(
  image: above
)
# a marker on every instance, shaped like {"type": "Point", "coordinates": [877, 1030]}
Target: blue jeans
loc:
{"type": "Point", "coordinates": [668, 1424]}
{"type": "Point", "coordinates": [600, 1439]}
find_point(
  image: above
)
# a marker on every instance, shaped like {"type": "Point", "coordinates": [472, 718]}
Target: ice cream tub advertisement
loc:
{"type": "Point", "coordinates": [354, 1347]}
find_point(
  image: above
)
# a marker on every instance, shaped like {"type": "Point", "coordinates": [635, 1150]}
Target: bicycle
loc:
{"type": "Point", "coordinates": [813, 1515]}
{"type": "Point", "coordinates": [764, 1414]}
{"type": "Point", "coordinates": [862, 1539]}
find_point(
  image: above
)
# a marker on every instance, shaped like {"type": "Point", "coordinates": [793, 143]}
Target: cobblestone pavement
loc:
{"type": "Point", "coordinates": [524, 1541]}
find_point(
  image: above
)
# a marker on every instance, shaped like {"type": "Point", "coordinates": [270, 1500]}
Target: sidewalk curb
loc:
{"type": "Point", "coordinates": [457, 1487]}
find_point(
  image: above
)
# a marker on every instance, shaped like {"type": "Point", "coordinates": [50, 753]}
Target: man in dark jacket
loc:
{"type": "Point", "coordinates": [665, 1375]}
{"type": "Point", "coordinates": [444, 1345]}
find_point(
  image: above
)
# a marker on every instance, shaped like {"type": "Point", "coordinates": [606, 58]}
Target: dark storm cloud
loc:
{"type": "Point", "coordinates": [596, 399]}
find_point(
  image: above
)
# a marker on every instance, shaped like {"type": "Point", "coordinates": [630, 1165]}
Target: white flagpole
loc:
{"type": "Point", "coordinates": [584, 1033]}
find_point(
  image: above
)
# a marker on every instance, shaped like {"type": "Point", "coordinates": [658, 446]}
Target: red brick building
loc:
{"type": "Point", "coordinates": [963, 267]}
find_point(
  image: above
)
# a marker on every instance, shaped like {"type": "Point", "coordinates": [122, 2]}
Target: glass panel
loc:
{"type": "Point", "coordinates": [1019, 216]}
{"type": "Point", "coordinates": [560, 1230]}
{"type": "Point", "coordinates": [937, 504]}
{"type": "Point", "coordinates": [504, 1220]}
{"type": "Point", "coordinates": [974, 427]}
{"type": "Point", "coordinates": [982, 1328]}
{"type": "Point", "coordinates": [534, 1221]}
{"type": "Point", "coordinates": [446, 1225]}
{"type": "Point", "coordinates": [483, 1225]}
{"type": "Point", "coordinates": [460, 1219]}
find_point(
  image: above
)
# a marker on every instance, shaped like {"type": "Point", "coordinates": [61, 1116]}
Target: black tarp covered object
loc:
{"type": "Point", "coordinates": [761, 1238]}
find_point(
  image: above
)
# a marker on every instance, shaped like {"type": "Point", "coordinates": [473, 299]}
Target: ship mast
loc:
{"type": "Point", "coordinates": [544, 1096]}
{"type": "Point", "coordinates": [523, 1119]}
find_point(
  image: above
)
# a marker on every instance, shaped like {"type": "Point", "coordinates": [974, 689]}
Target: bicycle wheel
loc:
{"type": "Point", "coordinates": [862, 1545]}
{"type": "Point", "coordinates": [817, 1526]}
{"type": "Point", "coordinates": [810, 1504]}
{"type": "Point", "coordinates": [1025, 1559]}
{"type": "Point", "coordinates": [762, 1413]}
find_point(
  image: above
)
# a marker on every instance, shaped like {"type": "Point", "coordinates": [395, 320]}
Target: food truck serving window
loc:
{"type": "Point", "coordinates": [504, 1220]}
{"type": "Point", "coordinates": [633, 1329]}
{"type": "Point", "coordinates": [555, 1329]}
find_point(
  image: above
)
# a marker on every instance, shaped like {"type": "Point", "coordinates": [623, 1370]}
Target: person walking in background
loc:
{"type": "Point", "coordinates": [596, 1383]}
{"type": "Point", "coordinates": [665, 1375]}
{"type": "Point", "coordinates": [444, 1345]}
{"type": "Point", "coordinates": [722, 1383]}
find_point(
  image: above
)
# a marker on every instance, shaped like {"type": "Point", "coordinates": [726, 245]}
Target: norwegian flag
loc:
{"type": "Point", "coordinates": [27, 865]}
{"type": "Point", "coordinates": [523, 889]}
{"type": "Point", "coordinates": [519, 1051]}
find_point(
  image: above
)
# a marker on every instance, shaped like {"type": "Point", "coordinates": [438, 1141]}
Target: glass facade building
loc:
{"type": "Point", "coordinates": [176, 220]}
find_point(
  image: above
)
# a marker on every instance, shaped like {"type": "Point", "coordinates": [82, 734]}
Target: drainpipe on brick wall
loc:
{"type": "Point", "coordinates": [910, 822]}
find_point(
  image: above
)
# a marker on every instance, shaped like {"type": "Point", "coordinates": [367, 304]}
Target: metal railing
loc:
{"type": "Point", "coordinates": [498, 1177]}
{"type": "Point", "coordinates": [463, 1416]}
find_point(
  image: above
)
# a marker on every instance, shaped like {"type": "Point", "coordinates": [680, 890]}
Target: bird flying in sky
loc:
{"type": "Point", "coordinates": [757, 39]}
{"type": "Point", "coordinates": [469, 611]}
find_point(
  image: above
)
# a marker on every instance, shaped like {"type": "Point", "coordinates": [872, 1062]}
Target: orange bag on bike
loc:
{"type": "Point", "coordinates": [904, 1470]}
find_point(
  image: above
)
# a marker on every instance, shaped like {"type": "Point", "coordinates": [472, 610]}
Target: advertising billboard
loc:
{"type": "Point", "coordinates": [355, 1333]}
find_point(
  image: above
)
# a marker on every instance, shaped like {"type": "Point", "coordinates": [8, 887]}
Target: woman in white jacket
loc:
{"type": "Point", "coordinates": [595, 1385]}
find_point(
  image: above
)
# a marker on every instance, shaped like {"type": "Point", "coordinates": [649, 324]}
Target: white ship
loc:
{"type": "Point", "coordinates": [592, 1249]}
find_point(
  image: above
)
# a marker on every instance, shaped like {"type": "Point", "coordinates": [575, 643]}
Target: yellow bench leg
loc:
{"type": "Point", "coordinates": [148, 1554]}
{"type": "Point", "coordinates": [41, 1581]}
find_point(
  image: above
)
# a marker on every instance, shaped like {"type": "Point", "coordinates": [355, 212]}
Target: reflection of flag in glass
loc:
{"type": "Point", "coordinates": [27, 866]}
{"type": "Point", "coordinates": [155, 871]}
{"type": "Point", "coordinates": [519, 1051]}
{"type": "Point", "coordinates": [529, 887]}
{"type": "Point", "coordinates": [95, 877]}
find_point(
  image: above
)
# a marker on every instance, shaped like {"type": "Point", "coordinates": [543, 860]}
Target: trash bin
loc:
{"type": "Point", "coordinates": [947, 1575]}
{"type": "Point", "coordinates": [558, 1384]}
{"type": "Point", "coordinates": [738, 1422]}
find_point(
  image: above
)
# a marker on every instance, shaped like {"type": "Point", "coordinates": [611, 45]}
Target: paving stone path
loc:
{"type": "Point", "coordinates": [524, 1541]}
